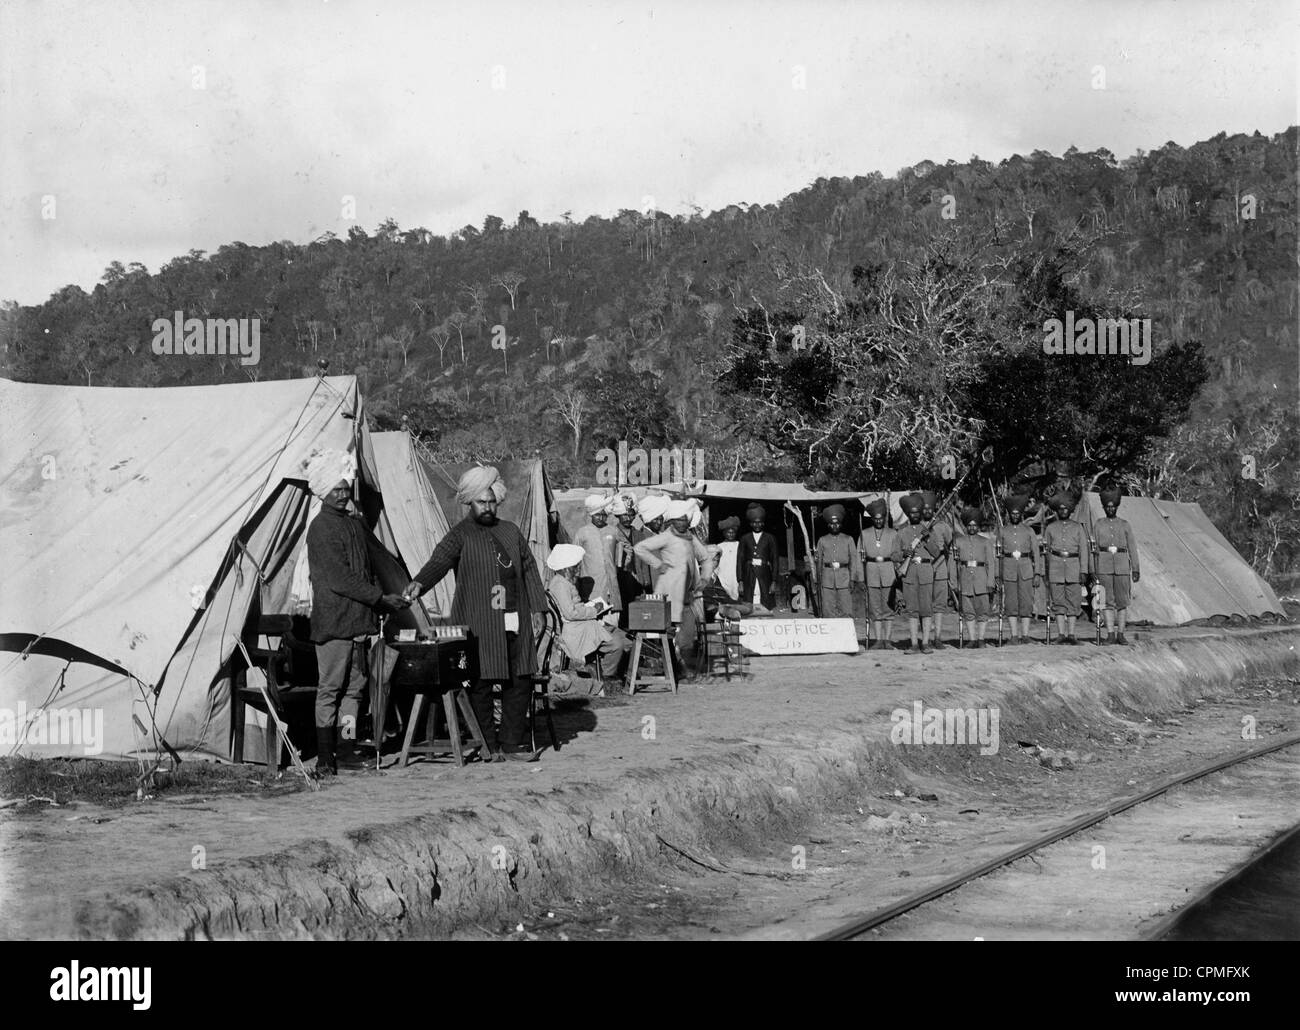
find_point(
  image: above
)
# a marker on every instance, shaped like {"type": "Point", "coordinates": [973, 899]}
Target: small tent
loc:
{"type": "Point", "coordinates": [529, 503]}
{"type": "Point", "coordinates": [140, 527]}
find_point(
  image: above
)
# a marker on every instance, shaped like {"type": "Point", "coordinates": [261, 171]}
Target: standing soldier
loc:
{"type": "Point", "coordinates": [976, 566]}
{"type": "Point", "coordinates": [913, 563]}
{"type": "Point", "coordinates": [939, 544]}
{"type": "Point", "coordinates": [756, 560]}
{"type": "Point", "coordinates": [838, 566]}
{"type": "Point", "coordinates": [1021, 568]}
{"type": "Point", "coordinates": [1069, 561]}
{"type": "Point", "coordinates": [876, 547]}
{"type": "Point", "coordinates": [1117, 563]}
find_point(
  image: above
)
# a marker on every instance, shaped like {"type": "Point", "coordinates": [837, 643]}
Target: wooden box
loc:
{"type": "Point", "coordinates": [649, 616]}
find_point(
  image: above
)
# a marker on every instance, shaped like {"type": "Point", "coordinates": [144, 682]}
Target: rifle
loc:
{"type": "Point", "coordinates": [1096, 588]}
{"type": "Point", "coordinates": [998, 586]}
{"type": "Point", "coordinates": [1047, 580]}
{"type": "Point", "coordinates": [984, 457]}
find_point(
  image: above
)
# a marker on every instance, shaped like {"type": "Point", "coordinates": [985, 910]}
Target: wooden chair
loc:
{"type": "Point", "coordinates": [278, 663]}
{"type": "Point", "coordinates": [542, 680]}
{"type": "Point", "coordinates": [566, 662]}
{"type": "Point", "coordinates": [719, 642]}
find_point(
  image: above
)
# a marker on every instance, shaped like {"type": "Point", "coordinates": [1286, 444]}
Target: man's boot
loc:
{"type": "Point", "coordinates": [346, 757]}
{"type": "Point", "coordinates": [325, 751]}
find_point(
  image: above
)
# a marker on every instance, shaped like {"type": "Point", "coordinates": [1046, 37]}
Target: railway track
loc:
{"type": "Point", "coordinates": [860, 926]}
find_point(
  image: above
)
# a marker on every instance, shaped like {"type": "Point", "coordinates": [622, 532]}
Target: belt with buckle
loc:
{"type": "Point", "coordinates": [1017, 555]}
{"type": "Point", "coordinates": [832, 565]}
{"type": "Point", "coordinates": [975, 564]}
{"type": "Point", "coordinates": [923, 561]}
{"type": "Point", "coordinates": [1065, 554]}
{"type": "Point", "coordinates": [878, 557]}
{"type": "Point", "coordinates": [755, 561]}
{"type": "Point", "coordinates": [1117, 550]}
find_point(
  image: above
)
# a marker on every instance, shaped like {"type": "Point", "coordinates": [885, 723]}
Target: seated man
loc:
{"type": "Point", "coordinates": [584, 630]}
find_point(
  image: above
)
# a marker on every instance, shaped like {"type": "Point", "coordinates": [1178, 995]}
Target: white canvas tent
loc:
{"type": "Point", "coordinates": [138, 526]}
{"type": "Point", "coordinates": [1189, 571]}
{"type": "Point", "coordinates": [417, 520]}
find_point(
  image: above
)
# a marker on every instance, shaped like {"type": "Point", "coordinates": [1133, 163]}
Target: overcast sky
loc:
{"type": "Point", "coordinates": [441, 113]}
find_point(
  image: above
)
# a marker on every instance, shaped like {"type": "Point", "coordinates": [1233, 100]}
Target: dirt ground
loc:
{"type": "Point", "coordinates": [624, 763]}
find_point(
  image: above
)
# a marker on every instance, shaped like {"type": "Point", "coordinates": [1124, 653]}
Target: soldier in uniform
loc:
{"type": "Point", "coordinates": [756, 560]}
{"type": "Point", "coordinates": [1117, 563]}
{"type": "Point", "coordinates": [976, 563]}
{"type": "Point", "coordinates": [913, 563]}
{"type": "Point", "coordinates": [1021, 568]}
{"type": "Point", "coordinates": [1069, 562]}
{"type": "Point", "coordinates": [876, 548]}
{"type": "Point", "coordinates": [939, 544]}
{"type": "Point", "coordinates": [838, 566]}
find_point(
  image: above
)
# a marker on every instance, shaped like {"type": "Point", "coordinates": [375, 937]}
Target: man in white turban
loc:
{"type": "Point", "coordinates": [345, 599]}
{"type": "Point", "coordinates": [478, 479]}
{"type": "Point", "coordinates": [499, 596]}
{"type": "Point", "coordinates": [328, 468]}
{"type": "Point", "coordinates": [599, 543]}
{"type": "Point", "coordinates": [586, 631]}
{"type": "Point", "coordinates": [681, 566]}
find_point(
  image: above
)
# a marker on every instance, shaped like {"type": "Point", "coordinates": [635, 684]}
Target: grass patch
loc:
{"type": "Point", "coordinates": [66, 781]}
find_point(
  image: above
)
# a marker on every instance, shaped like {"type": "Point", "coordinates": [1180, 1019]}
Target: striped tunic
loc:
{"type": "Point", "coordinates": [468, 551]}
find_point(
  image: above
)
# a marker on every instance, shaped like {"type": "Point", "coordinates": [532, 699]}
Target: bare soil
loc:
{"type": "Point", "coordinates": [592, 841]}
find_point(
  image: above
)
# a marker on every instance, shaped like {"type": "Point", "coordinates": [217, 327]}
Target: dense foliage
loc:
{"type": "Point", "coordinates": [855, 333]}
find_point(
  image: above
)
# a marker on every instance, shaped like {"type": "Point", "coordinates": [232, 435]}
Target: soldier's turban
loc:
{"type": "Point", "coordinates": [834, 511]}
{"type": "Point", "coordinates": [595, 503]}
{"type": "Point", "coordinates": [476, 480]}
{"type": "Point", "coordinates": [1110, 496]}
{"type": "Point", "coordinates": [878, 507]}
{"type": "Point", "coordinates": [755, 511]}
{"type": "Point", "coordinates": [969, 515]}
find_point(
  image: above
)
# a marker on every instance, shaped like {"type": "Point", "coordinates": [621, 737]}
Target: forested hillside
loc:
{"type": "Point", "coordinates": [854, 333]}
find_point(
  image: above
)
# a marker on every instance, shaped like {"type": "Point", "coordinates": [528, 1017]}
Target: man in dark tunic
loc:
{"type": "Point", "coordinates": [345, 599]}
{"type": "Point", "coordinates": [499, 596]}
{"type": "Point", "coordinates": [756, 560]}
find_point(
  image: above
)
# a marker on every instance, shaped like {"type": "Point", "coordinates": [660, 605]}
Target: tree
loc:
{"type": "Point", "coordinates": [441, 335]}
{"type": "Point", "coordinates": [510, 282]}
{"type": "Point", "coordinates": [571, 405]}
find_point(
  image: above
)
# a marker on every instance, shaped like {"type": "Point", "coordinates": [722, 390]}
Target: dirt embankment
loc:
{"type": "Point", "coordinates": [453, 868]}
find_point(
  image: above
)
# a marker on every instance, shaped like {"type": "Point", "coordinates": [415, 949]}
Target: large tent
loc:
{"type": "Point", "coordinates": [417, 518]}
{"type": "Point", "coordinates": [529, 503]}
{"type": "Point", "coordinates": [140, 527]}
{"type": "Point", "coordinates": [1189, 571]}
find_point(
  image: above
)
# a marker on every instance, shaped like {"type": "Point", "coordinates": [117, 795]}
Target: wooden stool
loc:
{"type": "Point", "coordinates": [452, 699]}
{"type": "Point", "coordinates": [634, 677]}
